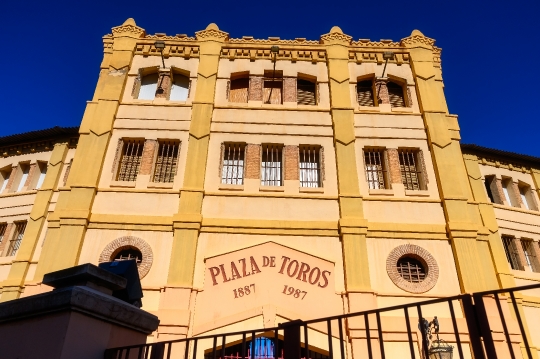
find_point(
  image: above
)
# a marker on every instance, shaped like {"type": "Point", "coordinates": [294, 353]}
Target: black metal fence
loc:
{"type": "Point", "coordinates": [484, 325]}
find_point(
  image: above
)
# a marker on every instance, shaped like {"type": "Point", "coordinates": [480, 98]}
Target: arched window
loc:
{"type": "Point", "coordinates": [179, 87]}
{"type": "Point", "coordinates": [364, 93]}
{"type": "Point", "coordinates": [128, 253]}
{"type": "Point", "coordinates": [239, 89]}
{"type": "Point", "coordinates": [148, 87]}
{"type": "Point", "coordinates": [396, 94]}
{"type": "Point", "coordinates": [306, 92]}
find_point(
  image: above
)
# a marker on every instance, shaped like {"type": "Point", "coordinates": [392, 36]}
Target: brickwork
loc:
{"type": "Point", "coordinates": [256, 88]}
{"type": "Point", "coordinates": [497, 191]}
{"type": "Point", "coordinates": [291, 162]}
{"type": "Point", "coordinates": [32, 171]}
{"type": "Point", "coordinates": [535, 246]}
{"type": "Point", "coordinates": [7, 238]}
{"type": "Point", "coordinates": [12, 176]}
{"type": "Point", "coordinates": [136, 87]}
{"type": "Point", "coordinates": [419, 253]}
{"type": "Point", "coordinates": [289, 90]}
{"type": "Point", "coordinates": [520, 253]}
{"type": "Point", "coordinates": [409, 97]}
{"type": "Point", "coordinates": [253, 161]}
{"type": "Point", "coordinates": [393, 164]}
{"type": "Point", "coordinates": [147, 160]}
{"type": "Point", "coordinates": [66, 174]}
{"type": "Point", "coordinates": [517, 195]}
{"type": "Point", "coordinates": [117, 155]}
{"type": "Point", "coordinates": [424, 169]}
{"type": "Point", "coordinates": [164, 85]}
{"type": "Point", "coordinates": [382, 91]}
{"type": "Point", "coordinates": [113, 248]}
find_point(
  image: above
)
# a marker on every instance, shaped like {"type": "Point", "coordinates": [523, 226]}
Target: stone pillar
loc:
{"type": "Point", "coordinates": [78, 319]}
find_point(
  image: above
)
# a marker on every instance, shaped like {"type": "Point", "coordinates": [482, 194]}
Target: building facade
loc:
{"type": "Point", "coordinates": [258, 181]}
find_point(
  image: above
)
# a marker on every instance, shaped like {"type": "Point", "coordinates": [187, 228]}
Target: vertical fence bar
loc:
{"type": "Point", "coordinates": [195, 349]}
{"type": "Point", "coordinates": [341, 346]}
{"type": "Point", "coordinates": [379, 330]}
{"type": "Point", "coordinates": [520, 322]}
{"type": "Point", "coordinates": [456, 330]}
{"type": "Point", "coordinates": [223, 347]}
{"type": "Point", "coordinates": [306, 342]}
{"type": "Point", "coordinates": [505, 328]}
{"type": "Point", "coordinates": [472, 325]}
{"type": "Point", "coordinates": [127, 353]}
{"type": "Point", "coordinates": [483, 321]}
{"type": "Point", "coordinates": [252, 351]}
{"type": "Point", "coordinates": [243, 350]}
{"type": "Point", "coordinates": [424, 339]}
{"type": "Point", "coordinates": [147, 350]}
{"type": "Point", "coordinates": [330, 351]}
{"type": "Point", "coordinates": [186, 351]}
{"type": "Point", "coordinates": [214, 347]}
{"type": "Point", "coordinates": [368, 337]}
{"type": "Point", "coordinates": [276, 344]}
{"type": "Point", "coordinates": [409, 333]}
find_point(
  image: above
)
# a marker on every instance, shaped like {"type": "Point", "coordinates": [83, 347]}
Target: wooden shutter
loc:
{"type": "Point", "coordinates": [238, 91]}
{"type": "Point", "coordinates": [305, 92]}
{"type": "Point", "coordinates": [395, 93]}
{"type": "Point", "coordinates": [272, 91]}
{"type": "Point", "coordinates": [364, 93]}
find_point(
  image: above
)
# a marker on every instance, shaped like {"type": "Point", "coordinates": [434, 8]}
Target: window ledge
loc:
{"type": "Point", "coordinates": [271, 188]}
{"type": "Point", "coordinates": [231, 187]}
{"type": "Point", "coordinates": [128, 184]}
{"type": "Point", "coordinates": [166, 185]}
{"type": "Point", "coordinates": [311, 190]}
{"type": "Point", "coordinates": [402, 109]}
{"type": "Point", "coordinates": [383, 192]}
{"type": "Point", "coordinates": [368, 108]}
{"type": "Point", "coordinates": [417, 193]}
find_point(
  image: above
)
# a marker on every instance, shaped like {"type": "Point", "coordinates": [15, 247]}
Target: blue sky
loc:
{"type": "Point", "coordinates": [52, 51]}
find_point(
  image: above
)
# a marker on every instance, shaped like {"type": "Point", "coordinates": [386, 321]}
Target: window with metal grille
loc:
{"type": "Point", "coordinates": [3, 227]}
{"type": "Point", "coordinates": [310, 166]}
{"type": "Point", "coordinates": [239, 90]}
{"type": "Point", "coordinates": [395, 94]}
{"type": "Point", "coordinates": [232, 169]}
{"type": "Point", "coordinates": [273, 87]}
{"type": "Point", "coordinates": [411, 169]}
{"type": "Point", "coordinates": [530, 255]}
{"type": "Point", "coordinates": [130, 161]}
{"type": "Point", "coordinates": [166, 161]}
{"type": "Point", "coordinates": [129, 253]}
{"type": "Point", "coordinates": [411, 269]}
{"type": "Point", "coordinates": [364, 93]}
{"type": "Point", "coordinates": [306, 92]}
{"type": "Point", "coordinates": [272, 165]}
{"type": "Point", "coordinates": [374, 159]}
{"type": "Point", "coordinates": [511, 251]}
{"type": "Point", "coordinates": [15, 243]}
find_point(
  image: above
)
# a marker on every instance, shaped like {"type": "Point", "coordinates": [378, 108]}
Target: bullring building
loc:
{"type": "Point", "coordinates": [257, 181]}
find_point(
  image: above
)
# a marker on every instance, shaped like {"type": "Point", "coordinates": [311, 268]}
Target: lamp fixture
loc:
{"type": "Point", "coordinates": [274, 49]}
{"type": "Point", "coordinates": [387, 55]}
{"type": "Point", "coordinates": [160, 46]}
{"type": "Point", "coordinates": [438, 348]}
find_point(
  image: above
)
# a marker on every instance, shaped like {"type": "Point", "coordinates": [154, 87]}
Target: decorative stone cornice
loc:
{"type": "Point", "coordinates": [273, 41]}
{"type": "Point", "coordinates": [417, 39]}
{"type": "Point", "coordinates": [212, 32]}
{"type": "Point", "coordinates": [336, 36]}
{"type": "Point", "coordinates": [128, 29]}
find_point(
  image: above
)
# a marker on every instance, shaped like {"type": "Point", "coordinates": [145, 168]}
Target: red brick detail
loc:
{"type": "Point", "coordinates": [164, 84]}
{"type": "Point", "coordinates": [536, 248]}
{"type": "Point", "coordinates": [147, 160]}
{"type": "Point", "coordinates": [382, 91]}
{"type": "Point", "coordinates": [424, 168]}
{"type": "Point", "coordinates": [117, 155]}
{"type": "Point", "coordinates": [7, 237]}
{"type": "Point", "coordinates": [30, 177]}
{"type": "Point", "coordinates": [393, 164]}
{"type": "Point", "coordinates": [517, 195]}
{"type": "Point", "coordinates": [66, 174]}
{"type": "Point", "coordinates": [409, 97]}
{"type": "Point", "coordinates": [12, 176]}
{"type": "Point", "coordinates": [113, 248]}
{"type": "Point", "coordinates": [520, 253]}
{"type": "Point", "coordinates": [414, 251]}
{"type": "Point", "coordinates": [136, 87]}
{"type": "Point", "coordinates": [289, 90]}
{"type": "Point", "coordinates": [253, 161]}
{"type": "Point", "coordinates": [255, 89]}
{"type": "Point", "coordinates": [497, 191]}
{"type": "Point", "coordinates": [291, 162]}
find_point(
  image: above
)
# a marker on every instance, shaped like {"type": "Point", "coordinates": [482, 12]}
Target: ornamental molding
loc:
{"type": "Point", "coordinates": [417, 38]}
{"type": "Point", "coordinates": [110, 251]}
{"type": "Point", "coordinates": [129, 29]}
{"type": "Point", "coordinates": [212, 32]}
{"type": "Point", "coordinates": [419, 253]}
{"type": "Point", "coordinates": [274, 41]}
{"type": "Point", "coordinates": [334, 37]}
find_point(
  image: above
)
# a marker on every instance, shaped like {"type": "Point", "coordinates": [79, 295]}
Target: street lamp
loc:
{"type": "Point", "coordinates": [438, 348]}
{"type": "Point", "coordinates": [274, 49]}
{"type": "Point", "coordinates": [160, 45]}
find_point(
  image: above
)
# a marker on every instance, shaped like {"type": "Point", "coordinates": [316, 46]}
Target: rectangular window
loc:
{"type": "Point", "coordinates": [310, 166]}
{"type": "Point", "coordinates": [179, 88]}
{"type": "Point", "coordinates": [511, 252]}
{"type": "Point", "coordinates": [4, 177]}
{"type": "Point", "coordinates": [364, 93]}
{"type": "Point", "coordinates": [272, 165]}
{"type": "Point", "coordinates": [306, 92]}
{"type": "Point", "coordinates": [488, 183]}
{"type": "Point", "coordinates": [166, 161]}
{"type": "Point", "coordinates": [411, 169]}
{"type": "Point", "coordinates": [3, 227]}
{"type": "Point", "coordinates": [15, 243]}
{"type": "Point", "coordinates": [376, 175]}
{"type": "Point", "coordinates": [232, 170]}
{"type": "Point", "coordinates": [130, 161]}
{"type": "Point", "coordinates": [239, 90]}
{"type": "Point", "coordinates": [530, 254]}
{"type": "Point", "coordinates": [42, 167]}
{"type": "Point", "coordinates": [273, 87]}
{"type": "Point", "coordinates": [509, 192]}
{"type": "Point", "coordinates": [526, 195]}
{"type": "Point", "coordinates": [25, 168]}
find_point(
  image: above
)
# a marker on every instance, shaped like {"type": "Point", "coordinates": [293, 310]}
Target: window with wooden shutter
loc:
{"type": "Point", "coordinates": [232, 168]}
{"type": "Point", "coordinates": [272, 165]}
{"type": "Point", "coordinates": [396, 95]}
{"type": "Point", "coordinates": [166, 161]}
{"type": "Point", "coordinates": [410, 166]}
{"type": "Point", "coordinates": [239, 90]}
{"type": "Point", "coordinates": [15, 243]}
{"type": "Point", "coordinates": [364, 93]}
{"type": "Point", "coordinates": [306, 92]}
{"type": "Point", "coordinates": [130, 161]}
{"type": "Point", "coordinates": [376, 171]}
{"type": "Point", "coordinates": [273, 87]}
{"type": "Point", "coordinates": [310, 166]}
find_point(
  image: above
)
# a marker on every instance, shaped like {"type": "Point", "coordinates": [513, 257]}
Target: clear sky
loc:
{"type": "Point", "coordinates": [52, 51]}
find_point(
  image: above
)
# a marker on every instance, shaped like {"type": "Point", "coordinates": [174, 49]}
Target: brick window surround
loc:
{"type": "Point", "coordinates": [112, 249]}
{"type": "Point", "coordinates": [420, 254]}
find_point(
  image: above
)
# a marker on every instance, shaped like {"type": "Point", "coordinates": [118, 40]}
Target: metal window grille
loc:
{"type": "Point", "coordinates": [530, 255]}
{"type": "Point", "coordinates": [510, 250]}
{"type": "Point", "coordinates": [129, 254]}
{"type": "Point", "coordinates": [232, 170]}
{"type": "Point", "coordinates": [310, 166]}
{"type": "Point", "coordinates": [166, 161]}
{"type": "Point", "coordinates": [395, 94]}
{"type": "Point", "coordinates": [364, 93]}
{"type": "Point", "coordinates": [272, 165]}
{"type": "Point", "coordinates": [3, 227]}
{"type": "Point", "coordinates": [305, 92]}
{"type": "Point", "coordinates": [411, 269]}
{"type": "Point", "coordinates": [130, 162]}
{"type": "Point", "coordinates": [375, 168]}
{"type": "Point", "coordinates": [15, 243]}
{"type": "Point", "coordinates": [410, 169]}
